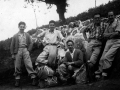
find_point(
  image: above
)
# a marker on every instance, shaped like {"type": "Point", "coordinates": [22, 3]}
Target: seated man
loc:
{"type": "Point", "coordinates": [72, 61]}
{"type": "Point", "coordinates": [46, 61]}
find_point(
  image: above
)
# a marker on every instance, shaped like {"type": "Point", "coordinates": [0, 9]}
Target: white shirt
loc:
{"type": "Point", "coordinates": [72, 53]}
{"type": "Point", "coordinates": [51, 37]}
{"type": "Point", "coordinates": [22, 40]}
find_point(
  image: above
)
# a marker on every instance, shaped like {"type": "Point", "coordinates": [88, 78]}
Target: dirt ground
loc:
{"type": "Point", "coordinates": [8, 84]}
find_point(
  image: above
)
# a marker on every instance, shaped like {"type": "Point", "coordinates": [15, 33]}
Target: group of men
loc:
{"type": "Point", "coordinates": [76, 54]}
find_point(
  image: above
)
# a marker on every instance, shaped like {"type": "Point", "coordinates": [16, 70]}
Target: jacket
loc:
{"type": "Point", "coordinates": [77, 58]}
{"type": "Point", "coordinates": [15, 43]}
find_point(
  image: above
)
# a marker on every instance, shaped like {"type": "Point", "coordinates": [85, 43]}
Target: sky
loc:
{"type": "Point", "coordinates": [14, 11]}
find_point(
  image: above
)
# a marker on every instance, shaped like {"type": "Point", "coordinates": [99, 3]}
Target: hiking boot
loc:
{"type": "Point", "coordinates": [33, 81]}
{"type": "Point", "coordinates": [98, 77]}
{"type": "Point", "coordinates": [17, 82]}
{"type": "Point", "coordinates": [98, 72]}
{"type": "Point", "coordinates": [41, 84]}
{"type": "Point", "coordinates": [104, 76]}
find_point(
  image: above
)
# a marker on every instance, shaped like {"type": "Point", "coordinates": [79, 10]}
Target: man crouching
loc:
{"type": "Point", "coordinates": [72, 61]}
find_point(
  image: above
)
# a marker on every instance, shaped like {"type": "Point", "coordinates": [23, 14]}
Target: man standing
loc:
{"type": "Point", "coordinates": [21, 46]}
{"type": "Point", "coordinates": [96, 30]}
{"type": "Point", "coordinates": [112, 34]}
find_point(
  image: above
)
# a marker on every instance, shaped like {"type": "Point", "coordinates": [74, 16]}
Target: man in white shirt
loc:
{"type": "Point", "coordinates": [50, 50]}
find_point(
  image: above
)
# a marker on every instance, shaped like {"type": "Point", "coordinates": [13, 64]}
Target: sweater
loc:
{"type": "Point", "coordinates": [15, 43]}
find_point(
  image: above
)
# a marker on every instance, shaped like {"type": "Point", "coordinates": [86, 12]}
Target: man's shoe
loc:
{"type": "Point", "coordinates": [41, 84]}
{"type": "Point", "coordinates": [33, 81]}
{"type": "Point", "coordinates": [17, 83]}
{"type": "Point", "coordinates": [104, 76]}
{"type": "Point", "coordinates": [98, 72]}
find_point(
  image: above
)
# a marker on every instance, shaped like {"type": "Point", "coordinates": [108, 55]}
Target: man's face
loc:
{"type": "Point", "coordinates": [52, 26]}
{"type": "Point", "coordinates": [22, 27]}
{"type": "Point", "coordinates": [97, 19]}
{"type": "Point", "coordinates": [70, 46]}
{"type": "Point", "coordinates": [111, 16]}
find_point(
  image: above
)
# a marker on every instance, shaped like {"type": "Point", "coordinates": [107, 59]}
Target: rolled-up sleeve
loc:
{"type": "Point", "coordinates": [41, 34]}
{"type": "Point", "coordinates": [60, 35]}
{"type": "Point", "coordinates": [79, 62]}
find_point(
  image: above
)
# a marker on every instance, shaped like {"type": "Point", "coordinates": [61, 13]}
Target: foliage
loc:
{"type": "Point", "coordinates": [102, 9]}
{"type": "Point", "coordinates": [60, 4]}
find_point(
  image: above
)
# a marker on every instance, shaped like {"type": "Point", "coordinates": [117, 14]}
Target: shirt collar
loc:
{"type": "Point", "coordinates": [73, 50]}
{"type": "Point", "coordinates": [21, 34]}
{"type": "Point", "coordinates": [51, 32]}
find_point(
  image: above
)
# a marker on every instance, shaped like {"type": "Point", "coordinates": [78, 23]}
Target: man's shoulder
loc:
{"type": "Point", "coordinates": [15, 35]}
{"type": "Point", "coordinates": [27, 34]}
{"type": "Point", "coordinates": [57, 31]}
{"type": "Point", "coordinates": [78, 50]}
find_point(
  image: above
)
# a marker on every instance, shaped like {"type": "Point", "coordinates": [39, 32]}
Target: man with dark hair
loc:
{"type": "Point", "coordinates": [20, 48]}
{"type": "Point", "coordinates": [72, 61]}
{"type": "Point", "coordinates": [112, 34]}
{"type": "Point", "coordinates": [52, 21]}
{"type": "Point", "coordinates": [23, 23]}
{"type": "Point", "coordinates": [49, 54]}
{"type": "Point", "coordinates": [51, 39]}
{"type": "Point", "coordinates": [95, 30]}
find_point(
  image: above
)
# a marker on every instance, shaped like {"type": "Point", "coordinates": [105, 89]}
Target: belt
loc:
{"type": "Point", "coordinates": [52, 44]}
{"type": "Point", "coordinates": [23, 47]}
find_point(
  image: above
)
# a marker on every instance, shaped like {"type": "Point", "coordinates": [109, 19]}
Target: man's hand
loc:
{"type": "Point", "coordinates": [90, 64]}
{"type": "Point", "coordinates": [13, 57]}
{"type": "Point", "coordinates": [70, 67]}
{"type": "Point", "coordinates": [114, 35]}
{"type": "Point", "coordinates": [69, 63]}
{"type": "Point", "coordinates": [106, 35]}
{"type": "Point", "coordinates": [65, 48]}
{"type": "Point", "coordinates": [88, 40]}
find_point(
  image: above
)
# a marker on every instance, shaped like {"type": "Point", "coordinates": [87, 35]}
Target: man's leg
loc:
{"type": "Point", "coordinates": [52, 56]}
{"type": "Point", "coordinates": [89, 51]}
{"type": "Point", "coordinates": [107, 47]}
{"type": "Point", "coordinates": [109, 56]}
{"type": "Point", "coordinates": [28, 65]}
{"type": "Point", "coordinates": [95, 54]}
{"type": "Point", "coordinates": [43, 56]}
{"type": "Point", "coordinates": [17, 63]}
{"type": "Point", "coordinates": [62, 70]}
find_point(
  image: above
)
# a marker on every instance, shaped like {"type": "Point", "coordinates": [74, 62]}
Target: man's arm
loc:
{"type": "Point", "coordinates": [113, 34]}
{"type": "Point", "coordinates": [12, 45]}
{"type": "Point", "coordinates": [62, 38]}
{"type": "Point", "coordinates": [79, 62]}
{"type": "Point", "coordinates": [84, 33]}
{"type": "Point", "coordinates": [107, 34]}
{"type": "Point", "coordinates": [31, 43]}
{"type": "Point", "coordinates": [41, 34]}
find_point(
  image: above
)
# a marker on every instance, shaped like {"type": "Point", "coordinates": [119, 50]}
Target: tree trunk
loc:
{"type": "Point", "coordinates": [61, 11]}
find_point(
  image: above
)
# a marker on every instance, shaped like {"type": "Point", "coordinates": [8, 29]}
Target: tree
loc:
{"type": "Point", "coordinates": [60, 4]}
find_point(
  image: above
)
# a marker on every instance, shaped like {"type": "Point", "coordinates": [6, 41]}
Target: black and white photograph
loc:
{"type": "Point", "coordinates": [59, 44]}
